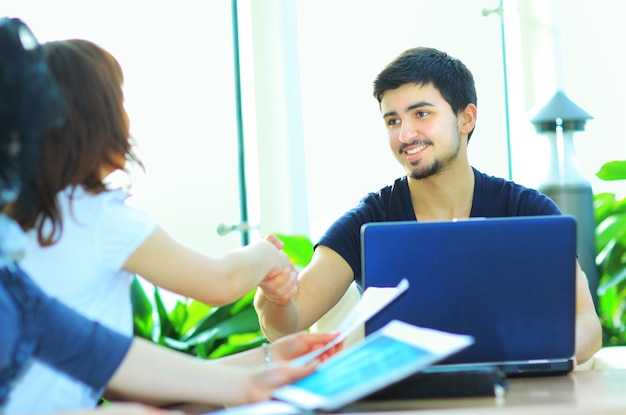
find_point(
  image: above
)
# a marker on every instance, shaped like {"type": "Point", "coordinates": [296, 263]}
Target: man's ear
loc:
{"type": "Point", "coordinates": [467, 119]}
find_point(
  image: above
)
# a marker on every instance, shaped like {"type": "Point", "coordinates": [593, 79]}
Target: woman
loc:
{"type": "Point", "coordinates": [42, 331]}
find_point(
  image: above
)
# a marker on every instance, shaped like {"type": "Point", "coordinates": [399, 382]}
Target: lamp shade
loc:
{"type": "Point", "coordinates": [560, 107]}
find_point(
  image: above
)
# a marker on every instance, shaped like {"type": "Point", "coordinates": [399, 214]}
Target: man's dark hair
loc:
{"type": "Point", "coordinates": [422, 66]}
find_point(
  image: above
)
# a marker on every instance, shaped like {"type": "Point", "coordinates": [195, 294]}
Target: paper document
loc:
{"type": "Point", "coordinates": [261, 408]}
{"type": "Point", "coordinates": [372, 301]}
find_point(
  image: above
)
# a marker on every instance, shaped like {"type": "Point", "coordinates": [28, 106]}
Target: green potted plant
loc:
{"type": "Point", "coordinates": [195, 328]}
{"type": "Point", "coordinates": [610, 215]}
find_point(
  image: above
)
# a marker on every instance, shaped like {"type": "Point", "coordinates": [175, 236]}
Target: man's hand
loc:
{"type": "Point", "coordinates": [280, 285]}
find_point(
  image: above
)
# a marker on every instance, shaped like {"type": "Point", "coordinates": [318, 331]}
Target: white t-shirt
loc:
{"type": "Point", "coordinates": [83, 270]}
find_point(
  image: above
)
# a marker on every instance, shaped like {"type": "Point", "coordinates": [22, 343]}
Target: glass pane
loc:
{"type": "Point", "coordinates": [343, 46]}
{"type": "Point", "coordinates": [177, 59]}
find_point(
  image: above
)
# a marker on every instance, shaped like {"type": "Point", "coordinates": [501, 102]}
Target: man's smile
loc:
{"type": "Point", "coordinates": [413, 149]}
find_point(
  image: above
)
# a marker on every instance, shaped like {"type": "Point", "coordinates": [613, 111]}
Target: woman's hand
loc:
{"type": "Point", "coordinates": [269, 377]}
{"type": "Point", "coordinates": [279, 372]}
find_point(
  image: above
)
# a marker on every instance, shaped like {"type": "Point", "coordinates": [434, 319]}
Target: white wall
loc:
{"type": "Point", "coordinates": [568, 45]}
{"type": "Point", "coordinates": [177, 57]}
{"type": "Point", "coordinates": [592, 37]}
{"type": "Point", "coordinates": [345, 43]}
{"type": "Point", "coordinates": [343, 46]}
{"type": "Point", "coordinates": [178, 63]}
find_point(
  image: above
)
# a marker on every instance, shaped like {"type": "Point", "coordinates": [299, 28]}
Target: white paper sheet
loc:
{"type": "Point", "coordinates": [261, 408]}
{"type": "Point", "coordinates": [372, 301]}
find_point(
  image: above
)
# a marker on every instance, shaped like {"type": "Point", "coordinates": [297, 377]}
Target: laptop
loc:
{"type": "Point", "coordinates": [507, 282]}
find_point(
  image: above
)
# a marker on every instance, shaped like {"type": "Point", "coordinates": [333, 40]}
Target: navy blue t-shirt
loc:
{"type": "Point", "coordinates": [493, 197]}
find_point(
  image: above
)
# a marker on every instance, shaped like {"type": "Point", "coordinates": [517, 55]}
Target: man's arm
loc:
{"type": "Point", "coordinates": [588, 328]}
{"type": "Point", "coordinates": [320, 286]}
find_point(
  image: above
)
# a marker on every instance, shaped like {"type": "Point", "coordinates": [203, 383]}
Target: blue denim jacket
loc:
{"type": "Point", "coordinates": [36, 326]}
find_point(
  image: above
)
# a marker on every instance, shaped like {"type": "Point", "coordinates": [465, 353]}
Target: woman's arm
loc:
{"type": "Point", "coordinates": [153, 374]}
{"type": "Point", "coordinates": [215, 281]}
{"type": "Point", "coordinates": [123, 409]}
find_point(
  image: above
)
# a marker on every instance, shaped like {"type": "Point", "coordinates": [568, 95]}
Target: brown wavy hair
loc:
{"type": "Point", "coordinates": [95, 134]}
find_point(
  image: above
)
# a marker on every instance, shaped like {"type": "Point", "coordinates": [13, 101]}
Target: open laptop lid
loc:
{"type": "Point", "coordinates": [508, 282]}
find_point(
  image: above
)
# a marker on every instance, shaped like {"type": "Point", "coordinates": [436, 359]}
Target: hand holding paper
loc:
{"type": "Point", "coordinates": [372, 301]}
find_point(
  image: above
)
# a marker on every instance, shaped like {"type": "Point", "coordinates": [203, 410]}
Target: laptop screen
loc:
{"type": "Point", "coordinates": [508, 282]}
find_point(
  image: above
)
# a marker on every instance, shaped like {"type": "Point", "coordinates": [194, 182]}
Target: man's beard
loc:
{"type": "Point", "coordinates": [426, 172]}
{"type": "Point", "coordinates": [436, 166]}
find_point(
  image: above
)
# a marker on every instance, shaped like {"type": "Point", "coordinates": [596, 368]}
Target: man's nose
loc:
{"type": "Point", "coordinates": [408, 132]}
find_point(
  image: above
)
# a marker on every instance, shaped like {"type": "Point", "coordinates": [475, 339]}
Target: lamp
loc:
{"type": "Point", "coordinates": [558, 120]}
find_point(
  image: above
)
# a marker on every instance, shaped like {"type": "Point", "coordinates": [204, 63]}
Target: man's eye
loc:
{"type": "Point", "coordinates": [393, 121]}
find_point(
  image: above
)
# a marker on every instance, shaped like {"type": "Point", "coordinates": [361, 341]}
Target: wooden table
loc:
{"type": "Point", "coordinates": [593, 392]}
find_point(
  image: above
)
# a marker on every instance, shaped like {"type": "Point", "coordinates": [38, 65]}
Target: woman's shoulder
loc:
{"type": "Point", "coordinates": [78, 196]}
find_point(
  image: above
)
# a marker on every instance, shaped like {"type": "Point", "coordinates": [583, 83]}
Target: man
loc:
{"type": "Point", "coordinates": [428, 104]}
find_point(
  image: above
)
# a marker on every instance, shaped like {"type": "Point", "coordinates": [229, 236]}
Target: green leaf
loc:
{"type": "Point", "coordinates": [204, 349]}
{"type": "Point", "coordinates": [178, 315]}
{"type": "Point", "coordinates": [612, 228]}
{"type": "Point", "coordinates": [142, 328]}
{"type": "Point", "coordinates": [208, 336]}
{"type": "Point", "coordinates": [175, 344]}
{"type": "Point", "coordinates": [239, 343]}
{"type": "Point", "coordinates": [604, 252]}
{"type": "Point", "coordinates": [243, 302]}
{"type": "Point", "coordinates": [142, 307]}
{"type": "Point", "coordinates": [244, 321]}
{"type": "Point", "coordinates": [216, 315]}
{"type": "Point", "coordinates": [143, 320]}
{"type": "Point", "coordinates": [613, 170]}
{"type": "Point", "coordinates": [614, 261]}
{"type": "Point", "coordinates": [167, 329]}
{"type": "Point", "coordinates": [203, 336]}
{"type": "Point", "coordinates": [196, 312]}
{"type": "Point", "coordinates": [614, 281]}
{"type": "Point", "coordinates": [603, 204]}
{"type": "Point", "coordinates": [298, 248]}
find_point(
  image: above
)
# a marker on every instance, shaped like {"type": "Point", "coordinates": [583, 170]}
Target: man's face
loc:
{"type": "Point", "coordinates": [423, 131]}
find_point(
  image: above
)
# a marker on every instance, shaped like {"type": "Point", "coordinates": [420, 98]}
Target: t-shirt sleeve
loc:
{"type": "Point", "coordinates": [344, 235]}
{"type": "Point", "coordinates": [44, 328]}
{"type": "Point", "coordinates": [343, 238]}
{"type": "Point", "coordinates": [391, 203]}
{"type": "Point", "coordinates": [79, 347]}
{"type": "Point", "coordinates": [121, 229]}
